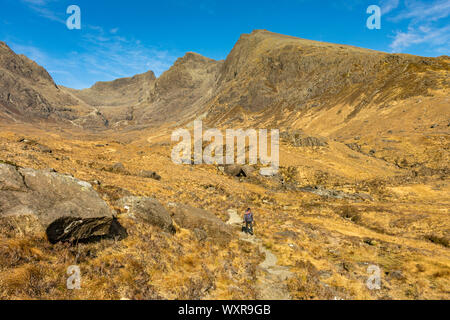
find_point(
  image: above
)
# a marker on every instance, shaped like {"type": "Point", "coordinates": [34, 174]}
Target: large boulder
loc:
{"type": "Point", "coordinates": [47, 196]}
{"type": "Point", "coordinates": [149, 174]}
{"type": "Point", "coordinates": [236, 170]}
{"type": "Point", "coordinates": [10, 179]}
{"type": "Point", "coordinates": [79, 230]}
{"type": "Point", "coordinates": [118, 168]}
{"type": "Point", "coordinates": [199, 220]}
{"type": "Point", "coordinates": [149, 210]}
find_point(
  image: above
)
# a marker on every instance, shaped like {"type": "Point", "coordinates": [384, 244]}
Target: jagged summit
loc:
{"type": "Point", "coordinates": [265, 72]}
{"type": "Point", "coordinates": [362, 180]}
{"type": "Point", "coordinates": [123, 82]}
{"type": "Point", "coordinates": [22, 66]}
{"type": "Point", "coordinates": [124, 91]}
{"type": "Point", "coordinates": [27, 91]}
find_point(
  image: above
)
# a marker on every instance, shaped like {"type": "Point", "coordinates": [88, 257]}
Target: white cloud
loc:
{"type": "Point", "coordinates": [439, 37]}
{"type": "Point", "coordinates": [40, 7]}
{"type": "Point", "coordinates": [429, 11]}
{"type": "Point", "coordinates": [100, 55]}
{"type": "Point", "coordinates": [122, 56]}
{"type": "Point", "coordinates": [388, 5]}
{"type": "Point", "coordinates": [99, 58]}
{"type": "Point", "coordinates": [424, 26]}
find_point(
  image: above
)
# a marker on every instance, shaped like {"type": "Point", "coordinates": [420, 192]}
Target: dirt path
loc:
{"type": "Point", "coordinates": [270, 286]}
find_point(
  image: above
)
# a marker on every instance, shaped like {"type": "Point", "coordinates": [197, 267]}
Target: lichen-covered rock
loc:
{"type": "Point", "coordinates": [48, 195]}
{"type": "Point", "coordinates": [149, 210]}
{"type": "Point", "coordinates": [198, 220]}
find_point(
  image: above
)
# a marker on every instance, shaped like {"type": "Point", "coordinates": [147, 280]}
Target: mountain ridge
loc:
{"type": "Point", "coordinates": [363, 178]}
{"type": "Point", "coordinates": [265, 74]}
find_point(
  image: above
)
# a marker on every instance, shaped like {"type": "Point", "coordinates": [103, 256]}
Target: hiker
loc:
{"type": "Point", "coordinates": [248, 220]}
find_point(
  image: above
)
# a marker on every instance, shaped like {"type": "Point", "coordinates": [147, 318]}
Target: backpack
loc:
{"type": "Point", "coordinates": [248, 217]}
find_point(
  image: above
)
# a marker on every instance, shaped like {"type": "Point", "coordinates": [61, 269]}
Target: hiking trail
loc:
{"type": "Point", "coordinates": [270, 286]}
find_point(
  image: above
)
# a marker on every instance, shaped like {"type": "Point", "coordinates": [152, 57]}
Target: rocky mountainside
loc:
{"type": "Point", "coordinates": [182, 91]}
{"type": "Point", "coordinates": [363, 181]}
{"type": "Point", "coordinates": [281, 77]}
{"type": "Point", "coordinates": [28, 92]}
{"type": "Point", "coordinates": [145, 100]}
{"type": "Point", "coordinates": [124, 91]}
{"type": "Point", "coordinates": [271, 79]}
{"type": "Point", "coordinates": [267, 78]}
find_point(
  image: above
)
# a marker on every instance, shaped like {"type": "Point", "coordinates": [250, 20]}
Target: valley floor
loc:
{"type": "Point", "coordinates": [330, 215]}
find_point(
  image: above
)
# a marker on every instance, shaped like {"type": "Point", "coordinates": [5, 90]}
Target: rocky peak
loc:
{"type": "Point", "coordinates": [22, 66]}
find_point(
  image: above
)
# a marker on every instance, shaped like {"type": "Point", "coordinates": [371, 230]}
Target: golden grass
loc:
{"type": "Point", "coordinates": [404, 230]}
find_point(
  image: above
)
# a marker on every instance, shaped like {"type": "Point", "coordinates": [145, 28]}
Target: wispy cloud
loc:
{"type": "Point", "coordinates": [425, 26]}
{"type": "Point", "coordinates": [99, 55]}
{"type": "Point", "coordinates": [120, 56]}
{"type": "Point", "coordinates": [388, 5]}
{"type": "Point", "coordinates": [99, 58]}
{"type": "Point", "coordinates": [424, 11]}
{"type": "Point", "coordinates": [436, 37]}
{"type": "Point", "coordinates": [41, 8]}
{"type": "Point", "coordinates": [37, 2]}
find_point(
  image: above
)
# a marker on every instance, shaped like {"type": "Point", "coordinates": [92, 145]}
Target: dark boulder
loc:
{"type": "Point", "coordinates": [150, 174]}
{"type": "Point", "coordinates": [236, 170]}
{"type": "Point", "coordinates": [79, 230]}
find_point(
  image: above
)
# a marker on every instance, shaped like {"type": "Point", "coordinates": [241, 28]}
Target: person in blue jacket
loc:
{"type": "Point", "coordinates": [248, 220]}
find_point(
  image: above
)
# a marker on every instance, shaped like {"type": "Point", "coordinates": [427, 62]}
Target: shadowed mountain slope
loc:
{"type": "Point", "coordinates": [27, 91]}
{"type": "Point", "coordinates": [275, 76]}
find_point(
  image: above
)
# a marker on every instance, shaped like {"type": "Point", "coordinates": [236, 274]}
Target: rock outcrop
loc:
{"type": "Point", "coordinates": [149, 174]}
{"type": "Point", "coordinates": [48, 196]}
{"type": "Point", "coordinates": [299, 139]}
{"type": "Point", "coordinates": [201, 221]}
{"type": "Point", "coordinates": [27, 91]}
{"type": "Point", "coordinates": [236, 170]}
{"type": "Point", "coordinates": [149, 210]}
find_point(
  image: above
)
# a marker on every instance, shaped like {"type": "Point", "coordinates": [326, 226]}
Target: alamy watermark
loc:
{"type": "Point", "coordinates": [74, 21]}
{"type": "Point", "coordinates": [213, 153]}
{"type": "Point", "coordinates": [374, 280]}
{"type": "Point", "coordinates": [74, 280]}
{"type": "Point", "coordinates": [374, 21]}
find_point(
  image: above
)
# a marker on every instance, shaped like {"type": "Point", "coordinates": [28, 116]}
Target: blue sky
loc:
{"type": "Point", "coordinates": [123, 38]}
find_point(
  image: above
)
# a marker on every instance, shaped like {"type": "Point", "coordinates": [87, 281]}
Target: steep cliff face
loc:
{"type": "Point", "coordinates": [363, 177]}
{"type": "Point", "coordinates": [272, 73]}
{"type": "Point", "coordinates": [124, 91]}
{"type": "Point", "coordinates": [183, 90]}
{"type": "Point", "coordinates": [267, 78]}
{"type": "Point", "coordinates": [145, 100]}
{"type": "Point", "coordinates": [27, 91]}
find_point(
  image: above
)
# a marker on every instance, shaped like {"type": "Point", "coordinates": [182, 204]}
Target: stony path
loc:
{"type": "Point", "coordinates": [270, 286]}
